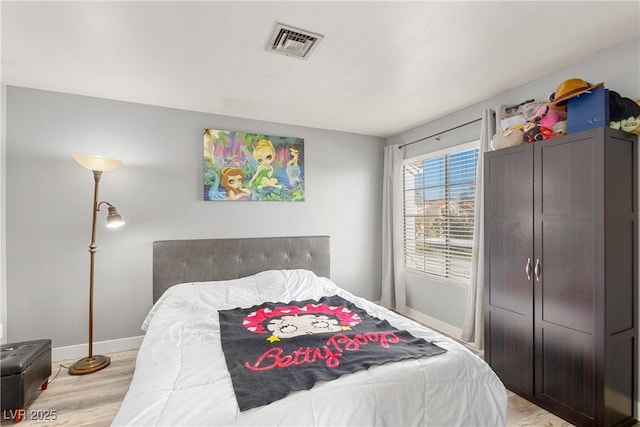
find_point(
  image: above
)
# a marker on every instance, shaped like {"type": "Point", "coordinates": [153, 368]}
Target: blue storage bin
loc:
{"type": "Point", "coordinates": [588, 110]}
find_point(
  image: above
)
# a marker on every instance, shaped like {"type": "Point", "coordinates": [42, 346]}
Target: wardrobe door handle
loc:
{"type": "Point", "coordinates": [536, 270]}
{"type": "Point", "coordinates": [527, 268]}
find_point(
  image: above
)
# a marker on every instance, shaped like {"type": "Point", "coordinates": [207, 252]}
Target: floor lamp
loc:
{"type": "Point", "coordinates": [96, 164]}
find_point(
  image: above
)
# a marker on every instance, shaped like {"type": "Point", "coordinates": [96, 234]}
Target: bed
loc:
{"type": "Point", "coordinates": [184, 377]}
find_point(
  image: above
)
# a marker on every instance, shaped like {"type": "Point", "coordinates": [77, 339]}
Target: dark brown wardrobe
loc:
{"type": "Point", "coordinates": [560, 297]}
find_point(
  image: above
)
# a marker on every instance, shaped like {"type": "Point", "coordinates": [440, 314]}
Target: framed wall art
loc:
{"type": "Point", "coordinates": [241, 166]}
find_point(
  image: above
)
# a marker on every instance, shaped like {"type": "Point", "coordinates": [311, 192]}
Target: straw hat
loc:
{"type": "Point", "coordinates": [569, 89]}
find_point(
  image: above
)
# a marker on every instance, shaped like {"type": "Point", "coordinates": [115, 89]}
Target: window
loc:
{"type": "Point", "coordinates": [439, 209]}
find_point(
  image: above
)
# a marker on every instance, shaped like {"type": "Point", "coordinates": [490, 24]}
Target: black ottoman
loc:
{"type": "Point", "coordinates": [26, 367]}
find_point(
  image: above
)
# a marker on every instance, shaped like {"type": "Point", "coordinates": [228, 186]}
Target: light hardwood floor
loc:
{"type": "Point", "coordinates": [93, 400]}
{"type": "Point", "coordinates": [83, 400]}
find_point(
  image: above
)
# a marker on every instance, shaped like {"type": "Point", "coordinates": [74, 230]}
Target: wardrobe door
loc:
{"type": "Point", "coordinates": [620, 330]}
{"type": "Point", "coordinates": [509, 266]}
{"type": "Point", "coordinates": [566, 221]}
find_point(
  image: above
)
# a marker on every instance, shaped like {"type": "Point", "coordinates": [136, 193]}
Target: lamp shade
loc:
{"type": "Point", "coordinates": [96, 163]}
{"type": "Point", "coordinates": [114, 220]}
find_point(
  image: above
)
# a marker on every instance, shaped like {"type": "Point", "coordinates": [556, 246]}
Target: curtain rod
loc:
{"type": "Point", "coordinates": [439, 133]}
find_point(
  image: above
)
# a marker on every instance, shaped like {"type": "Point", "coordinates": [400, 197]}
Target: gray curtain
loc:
{"type": "Point", "coordinates": [393, 270]}
{"type": "Point", "coordinates": [473, 326]}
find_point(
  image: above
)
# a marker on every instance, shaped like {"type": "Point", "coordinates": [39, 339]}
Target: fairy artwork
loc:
{"type": "Point", "coordinates": [240, 166]}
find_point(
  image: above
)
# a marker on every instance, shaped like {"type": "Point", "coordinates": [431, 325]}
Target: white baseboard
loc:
{"type": "Point", "coordinates": [436, 324]}
{"type": "Point", "coordinates": [79, 351]}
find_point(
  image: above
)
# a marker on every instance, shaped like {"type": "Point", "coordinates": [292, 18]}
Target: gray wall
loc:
{"type": "Point", "coordinates": [158, 190]}
{"type": "Point", "coordinates": [618, 68]}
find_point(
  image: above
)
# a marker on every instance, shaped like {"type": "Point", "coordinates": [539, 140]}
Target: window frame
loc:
{"type": "Point", "coordinates": [474, 144]}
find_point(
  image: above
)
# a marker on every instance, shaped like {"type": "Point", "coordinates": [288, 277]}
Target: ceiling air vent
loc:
{"type": "Point", "coordinates": [293, 42]}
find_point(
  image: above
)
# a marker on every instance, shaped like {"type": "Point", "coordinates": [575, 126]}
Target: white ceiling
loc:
{"type": "Point", "coordinates": [382, 67]}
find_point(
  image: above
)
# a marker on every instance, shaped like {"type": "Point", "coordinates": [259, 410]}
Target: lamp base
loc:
{"type": "Point", "coordinates": [88, 365]}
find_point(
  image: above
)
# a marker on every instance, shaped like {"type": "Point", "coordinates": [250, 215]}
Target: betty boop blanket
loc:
{"type": "Point", "coordinates": [273, 349]}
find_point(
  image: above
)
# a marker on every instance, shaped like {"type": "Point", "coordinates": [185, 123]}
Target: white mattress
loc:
{"type": "Point", "coordinates": [181, 377]}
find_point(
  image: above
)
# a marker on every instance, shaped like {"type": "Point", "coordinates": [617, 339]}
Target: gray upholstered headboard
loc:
{"type": "Point", "coordinates": [179, 261]}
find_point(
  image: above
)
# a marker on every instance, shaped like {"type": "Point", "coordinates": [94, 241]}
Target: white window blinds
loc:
{"type": "Point", "coordinates": [439, 208]}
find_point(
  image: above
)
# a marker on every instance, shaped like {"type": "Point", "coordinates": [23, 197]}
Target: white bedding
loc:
{"type": "Point", "coordinates": [181, 377]}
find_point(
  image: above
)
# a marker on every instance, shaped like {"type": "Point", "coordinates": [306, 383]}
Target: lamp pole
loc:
{"type": "Point", "coordinates": [91, 363]}
{"type": "Point", "coordinates": [92, 252]}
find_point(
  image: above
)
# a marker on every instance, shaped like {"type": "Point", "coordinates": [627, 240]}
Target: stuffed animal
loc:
{"type": "Point", "coordinates": [560, 128]}
{"type": "Point", "coordinates": [632, 124]}
{"type": "Point", "coordinates": [529, 111]}
{"type": "Point", "coordinates": [534, 132]}
{"type": "Point", "coordinates": [507, 138]}
{"type": "Point", "coordinates": [550, 118]}
{"type": "Point", "coordinates": [540, 126]}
